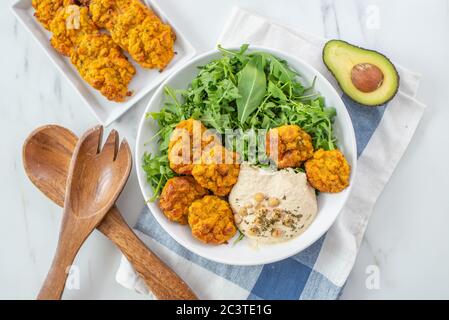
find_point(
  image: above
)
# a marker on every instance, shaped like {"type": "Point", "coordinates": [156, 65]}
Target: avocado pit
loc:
{"type": "Point", "coordinates": [366, 77]}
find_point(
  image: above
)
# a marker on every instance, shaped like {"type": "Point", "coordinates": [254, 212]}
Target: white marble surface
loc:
{"type": "Point", "coordinates": [407, 237]}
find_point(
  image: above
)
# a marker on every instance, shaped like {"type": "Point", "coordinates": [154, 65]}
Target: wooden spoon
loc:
{"type": "Point", "coordinates": [46, 157]}
{"type": "Point", "coordinates": [96, 179]}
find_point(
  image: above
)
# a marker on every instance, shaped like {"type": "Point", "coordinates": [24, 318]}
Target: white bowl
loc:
{"type": "Point", "coordinates": [329, 205]}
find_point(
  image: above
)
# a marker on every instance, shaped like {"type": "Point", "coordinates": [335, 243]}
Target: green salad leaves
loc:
{"type": "Point", "coordinates": [252, 87]}
{"type": "Point", "coordinates": [241, 90]}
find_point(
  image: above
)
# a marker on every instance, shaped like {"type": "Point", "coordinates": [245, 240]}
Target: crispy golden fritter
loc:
{"type": "Point", "coordinates": [102, 64]}
{"type": "Point", "coordinates": [177, 196]}
{"type": "Point", "coordinates": [45, 10]}
{"type": "Point", "coordinates": [211, 220]}
{"type": "Point", "coordinates": [68, 26]}
{"type": "Point", "coordinates": [328, 171]}
{"type": "Point", "coordinates": [98, 59]}
{"type": "Point", "coordinates": [136, 29]}
{"type": "Point", "coordinates": [218, 170]}
{"type": "Point", "coordinates": [187, 141]}
{"type": "Point", "coordinates": [294, 146]}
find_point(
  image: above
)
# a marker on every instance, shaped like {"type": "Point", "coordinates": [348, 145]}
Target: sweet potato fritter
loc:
{"type": "Point", "coordinates": [328, 171]}
{"type": "Point", "coordinates": [294, 146]}
{"type": "Point", "coordinates": [211, 220]}
{"type": "Point", "coordinates": [98, 59]}
{"type": "Point", "coordinates": [136, 29]}
{"type": "Point", "coordinates": [187, 141]}
{"type": "Point", "coordinates": [218, 170]}
{"type": "Point", "coordinates": [177, 196]}
{"type": "Point", "coordinates": [68, 26]}
{"type": "Point", "coordinates": [45, 10]}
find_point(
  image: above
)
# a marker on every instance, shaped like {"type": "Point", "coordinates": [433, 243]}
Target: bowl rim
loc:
{"type": "Point", "coordinates": [288, 57]}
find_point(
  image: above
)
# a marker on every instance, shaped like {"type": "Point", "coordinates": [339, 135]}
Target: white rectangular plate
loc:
{"type": "Point", "coordinates": [145, 79]}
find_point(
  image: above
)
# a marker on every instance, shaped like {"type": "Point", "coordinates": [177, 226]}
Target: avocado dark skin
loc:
{"type": "Point", "coordinates": [366, 76]}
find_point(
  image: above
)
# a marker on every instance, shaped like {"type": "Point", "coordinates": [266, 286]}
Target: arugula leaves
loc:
{"type": "Point", "coordinates": [241, 90]}
{"type": "Point", "coordinates": [252, 86]}
{"type": "Point", "coordinates": [158, 172]}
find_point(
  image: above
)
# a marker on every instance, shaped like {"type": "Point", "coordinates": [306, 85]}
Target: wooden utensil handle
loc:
{"type": "Point", "coordinates": [162, 281]}
{"type": "Point", "coordinates": [54, 284]}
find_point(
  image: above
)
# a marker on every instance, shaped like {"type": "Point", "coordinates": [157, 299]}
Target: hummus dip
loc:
{"type": "Point", "coordinates": [272, 206]}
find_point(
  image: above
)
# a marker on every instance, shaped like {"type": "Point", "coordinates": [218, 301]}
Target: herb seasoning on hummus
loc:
{"type": "Point", "coordinates": [272, 206]}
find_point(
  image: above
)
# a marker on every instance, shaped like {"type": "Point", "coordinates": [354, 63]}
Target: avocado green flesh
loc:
{"type": "Point", "coordinates": [340, 57]}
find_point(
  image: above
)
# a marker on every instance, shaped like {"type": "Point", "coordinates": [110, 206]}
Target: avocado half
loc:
{"type": "Point", "coordinates": [367, 76]}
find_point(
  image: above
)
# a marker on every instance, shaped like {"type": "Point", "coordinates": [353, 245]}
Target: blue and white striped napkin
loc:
{"type": "Point", "coordinates": [320, 271]}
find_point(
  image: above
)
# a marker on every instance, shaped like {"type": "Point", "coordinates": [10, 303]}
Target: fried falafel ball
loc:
{"type": "Point", "coordinates": [211, 220]}
{"type": "Point", "coordinates": [294, 146]}
{"type": "Point", "coordinates": [218, 171]}
{"type": "Point", "coordinates": [177, 196]}
{"type": "Point", "coordinates": [186, 142]}
{"type": "Point", "coordinates": [328, 171]}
